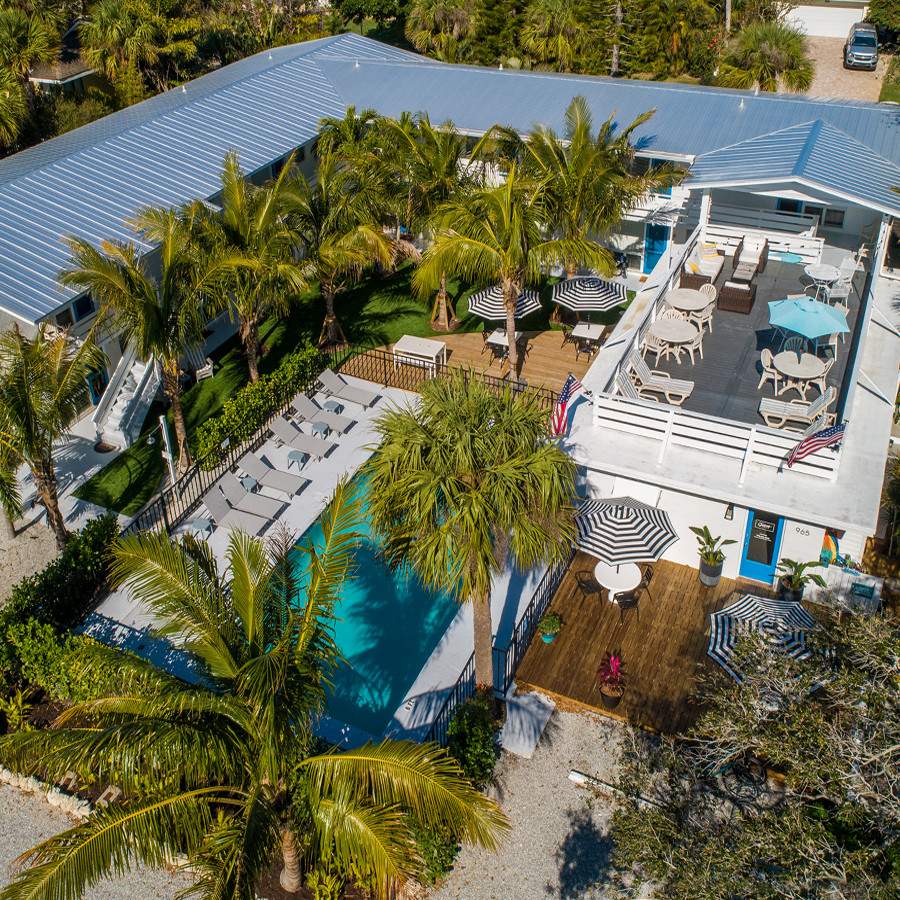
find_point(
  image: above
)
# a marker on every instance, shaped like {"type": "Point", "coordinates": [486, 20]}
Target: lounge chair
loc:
{"type": "Point", "coordinates": [777, 413]}
{"type": "Point", "coordinates": [702, 266]}
{"type": "Point", "coordinates": [750, 257]}
{"type": "Point", "coordinates": [240, 498]}
{"type": "Point", "coordinates": [627, 389]}
{"type": "Point", "coordinates": [653, 381]}
{"type": "Point", "coordinates": [270, 477]}
{"type": "Point", "coordinates": [223, 515]}
{"type": "Point", "coordinates": [337, 386]}
{"type": "Point", "coordinates": [288, 433]}
{"type": "Point", "coordinates": [310, 411]}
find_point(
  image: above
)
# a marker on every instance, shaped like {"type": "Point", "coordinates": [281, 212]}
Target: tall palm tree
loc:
{"type": "Point", "coordinates": [440, 27]}
{"type": "Point", "coordinates": [227, 770]}
{"type": "Point", "coordinates": [767, 55]}
{"type": "Point", "coordinates": [335, 223]}
{"type": "Point", "coordinates": [161, 317]}
{"type": "Point", "coordinates": [248, 229]}
{"type": "Point", "coordinates": [42, 390]}
{"type": "Point", "coordinates": [426, 166]}
{"type": "Point", "coordinates": [554, 33]}
{"type": "Point", "coordinates": [464, 480]}
{"type": "Point", "coordinates": [13, 108]}
{"type": "Point", "coordinates": [501, 234]}
{"type": "Point", "coordinates": [347, 136]}
{"type": "Point", "coordinates": [25, 41]}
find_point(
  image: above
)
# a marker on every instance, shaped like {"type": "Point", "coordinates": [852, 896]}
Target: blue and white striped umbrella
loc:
{"type": "Point", "coordinates": [588, 294]}
{"type": "Point", "coordinates": [488, 303]}
{"type": "Point", "coordinates": [783, 622]}
{"type": "Point", "coordinates": [623, 530]}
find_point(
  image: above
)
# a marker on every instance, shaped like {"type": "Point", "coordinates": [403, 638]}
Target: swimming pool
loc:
{"type": "Point", "coordinates": [387, 624]}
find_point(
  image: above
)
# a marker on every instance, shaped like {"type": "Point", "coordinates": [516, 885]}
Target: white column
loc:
{"type": "Point", "coordinates": [705, 206]}
{"type": "Point", "coordinates": [879, 251]}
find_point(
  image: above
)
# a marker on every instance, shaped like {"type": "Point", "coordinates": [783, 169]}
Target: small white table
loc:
{"type": "Point", "coordinates": [498, 338]}
{"type": "Point", "coordinates": [420, 352]}
{"type": "Point", "coordinates": [687, 300]}
{"type": "Point", "coordinates": [799, 369]}
{"type": "Point", "coordinates": [822, 275]}
{"type": "Point", "coordinates": [617, 579]}
{"type": "Point", "coordinates": [587, 331]}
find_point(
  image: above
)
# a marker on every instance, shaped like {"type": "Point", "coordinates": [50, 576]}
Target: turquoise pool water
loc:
{"type": "Point", "coordinates": [387, 626]}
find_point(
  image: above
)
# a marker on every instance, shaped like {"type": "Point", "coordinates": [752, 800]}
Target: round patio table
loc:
{"type": "Point", "coordinates": [798, 369]}
{"type": "Point", "coordinates": [674, 331]}
{"type": "Point", "coordinates": [822, 273]}
{"type": "Point", "coordinates": [687, 300]}
{"type": "Point", "coordinates": [617, 579]}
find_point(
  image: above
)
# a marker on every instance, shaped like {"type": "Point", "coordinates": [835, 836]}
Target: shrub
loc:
{"type": "Point", "coordinates": [255, 403]}
{"type": "Point", "coordinates": [438, 848]}
{"type": "Point", "coordinates": [472, 739]}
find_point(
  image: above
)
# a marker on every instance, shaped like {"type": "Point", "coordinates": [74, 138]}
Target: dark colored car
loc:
{"type": "Point", "coordinates": [861, 49]}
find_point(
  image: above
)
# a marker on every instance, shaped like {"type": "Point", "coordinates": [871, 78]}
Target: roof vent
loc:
{"type": "Point", "coordinates": [501, 67]}
{"type": "Point", "coordinates": [270, 56]}
{"type": "Point", "coordinates": [183, 89]}
{"type": "Point", "coordinates": [356, 64]}
{"type": "Point", "coordinates": [742, 103]}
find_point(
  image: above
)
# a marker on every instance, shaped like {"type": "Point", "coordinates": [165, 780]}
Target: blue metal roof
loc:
{"type": "Point", "coordinates": [169, 149]}
{"type": "Point", "coordinates": [815, 154]}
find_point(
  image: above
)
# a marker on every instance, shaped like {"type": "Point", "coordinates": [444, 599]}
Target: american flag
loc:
{"type": "Point", "coordinates": [809, 445]}
{"type": "Point", "coordinates": [559, 420]}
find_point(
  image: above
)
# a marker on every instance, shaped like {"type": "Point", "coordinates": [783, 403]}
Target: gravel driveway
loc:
{"type": "Point", "coordinates": [833, 80]}
{"type": "Point", "coordinates": [558, 846]}
{"type": "Point", "coordinates": [26, 819]}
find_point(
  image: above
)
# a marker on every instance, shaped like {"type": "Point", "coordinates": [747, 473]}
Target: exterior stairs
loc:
{"type": "Point", "coordinates": [120, 415]}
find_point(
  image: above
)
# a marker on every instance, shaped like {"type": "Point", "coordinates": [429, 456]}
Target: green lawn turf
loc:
{"type": "Point", "coordinates": [376, 312]}
{"type": "Point", "coordinates": [890, 87]}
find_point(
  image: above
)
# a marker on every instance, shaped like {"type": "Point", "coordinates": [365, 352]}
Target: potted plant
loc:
{"type": "Point", "coordinates": [611, 680]}
{"type": "Point", "coordinates": [712, 558]}
{"type": "Point", "coordinates": [549, 627]}
{"type": "Point", "coordinates": [793, 578]}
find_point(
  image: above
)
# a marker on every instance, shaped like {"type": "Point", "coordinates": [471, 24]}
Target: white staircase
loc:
{"type": "Point", "coordinates": [120, 414]}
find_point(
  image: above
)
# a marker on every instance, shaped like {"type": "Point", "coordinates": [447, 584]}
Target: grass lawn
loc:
{"type": "Point", "coordinates": [376, 312]}
{"type": "Point", "coordinates": [890, 87]}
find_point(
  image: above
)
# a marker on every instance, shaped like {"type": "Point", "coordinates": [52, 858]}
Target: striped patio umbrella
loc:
{"type": "Point", "coordinates": [588, 294]}
{"type": "Point", "coordinates": [488, 303]}
{"type": "Point", "coordinates": [783, 622]}
{"type": "Point", "coordinates": [623, 530]}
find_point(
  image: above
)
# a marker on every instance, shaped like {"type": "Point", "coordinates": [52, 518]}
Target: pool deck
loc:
{"type": "Point", "coordinates": [121, 621]}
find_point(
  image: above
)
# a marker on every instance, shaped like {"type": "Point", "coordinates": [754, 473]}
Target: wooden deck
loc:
{"type": "Point", "coordinates": [662, 644]}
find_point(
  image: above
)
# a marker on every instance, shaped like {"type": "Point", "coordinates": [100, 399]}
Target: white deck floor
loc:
{"type": "Point", "coordinates": [122, 621]}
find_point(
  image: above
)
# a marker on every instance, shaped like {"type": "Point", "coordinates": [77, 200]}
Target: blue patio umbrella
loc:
{"type": "Point", "coordinates": [810, 318]}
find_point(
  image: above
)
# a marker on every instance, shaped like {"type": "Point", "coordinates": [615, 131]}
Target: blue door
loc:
{"type": "Point", "coordinates": [762, 541]}
{"type": "Point", "coordinates": [656, 239]}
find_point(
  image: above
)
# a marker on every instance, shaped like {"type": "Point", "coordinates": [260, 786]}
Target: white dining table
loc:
{"type": "Point", "coordinates": [497, 338]}
{"type": "Point", "coordinates": [588, 331]}
{"type": "Point", "coordinates": [822, 273]}
{"type": "Point", "coordinates": [674, 331]}
{"type": "Point", "coordinates": [617, 579]}
{"type": "Point", "coordinates": [800, 369]}
{"type": "Point", "coordinates": [687, 300]}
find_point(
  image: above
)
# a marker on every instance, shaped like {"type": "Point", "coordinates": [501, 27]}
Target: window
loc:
{"type": "Point", "coordinates": [64, 319]}
{"type": "Point", "coordinates": [788, 206]}
{"type": "Point", "coordinates": [834, 218]}
{"type": "Point", "coordinates": [83, 307]}
{"type": "Point", "coordinates": [660, 191]}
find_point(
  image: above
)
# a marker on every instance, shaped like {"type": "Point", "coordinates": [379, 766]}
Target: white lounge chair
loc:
{"type": "Point", "coordinates": [240, 498]}
{"type": "Point", "coordinates": [226, 517]}
{"type": "Point", "coordinates": [337, 386]}
{"type": "Point", "coordinates": [288, 433]}
{"type": "Point", "coordinates": [270, 477]}
{"type": "Point", "coordinates": [310, 411]}
{"type": "Point", "coordinates": [653, 381]}
{"type": "Point", "coordinates": [777, 413]}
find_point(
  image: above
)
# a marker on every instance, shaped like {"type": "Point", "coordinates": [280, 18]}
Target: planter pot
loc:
{"type": "Point", "coordinates": [785, 592]}
{"type": "Point", "coordinates": [548, 638]}
{"type": "Point", "coordinates": [611, 698]}
{"type": "Point", "coordinates": [710, 575]}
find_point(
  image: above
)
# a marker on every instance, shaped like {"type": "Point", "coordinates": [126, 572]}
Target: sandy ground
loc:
{"type": "Point", "coordinates": [558, 846]}
{"type": "Point", "coordinates": [29, 552]}
{"type": "Point", "coordinates": [26, 819]}
{"type": "Point", "coordinates": [833, 80]}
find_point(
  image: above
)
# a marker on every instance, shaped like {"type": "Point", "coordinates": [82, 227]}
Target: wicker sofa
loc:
{"type": "Point", "coordinates": [702, 266]}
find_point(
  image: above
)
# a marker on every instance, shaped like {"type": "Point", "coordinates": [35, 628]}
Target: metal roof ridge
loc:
{"type": "Point", "coordinates": [807, 149]}
{"type": "Point", "coordinates": [759, 137]}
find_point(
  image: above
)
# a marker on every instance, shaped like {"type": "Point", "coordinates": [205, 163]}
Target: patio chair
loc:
{"type": "Point", "coordinates": [654, 381]}
{"type": "Point", "coordinates": [696, 345]}
{"type": "Point", "coordinates": [586, 347]}
{"type": "Point", "coordinates": [337, 386]}
{"type": "Point", "coordinates": [777, 413]}
{"type": "Point", "coordinates": [736, 296]}
{"type": "Point", "coordinates": [587, 584]}
{"type": "Point", "coordinates": [485, 334]}
{"type": "Point", "coordinates": [240, 498]}
{"type": "Point", "coordinates": [652, 344]}
{"type": "Point", "coordinates": [226, 517]}
{"type": "Point", "coordinates": [270, 477]}
{"type": "Point", "coordinates": [838, 291]}
{"type": "Point", "coordinates": [567, 334]}
{"type": "Point", "coordinates": [627, 601]}
{"type": "Point", "coordinates": [831, 344]}
{"type": "Point", "coordinates": [669, 313]}
{"type": "Point", "coordinates": [628, 390]}
{"type": "Point", "coordinates": [709, 291]}
{"type": "Point", "coordinates": [310, 411]}
{"type": "Point", "coordinates": [795, 342]}
{"type": "Point", "coordinates": [646, 578]}
{"type": "Point", "coordinates": [703, 318]}
{"type": "Point", "coordinates": [769, 372]}
{"type": "Point", "coordinates": [821, 381]}
{"type": "Point", "coordinates": [287, 433]}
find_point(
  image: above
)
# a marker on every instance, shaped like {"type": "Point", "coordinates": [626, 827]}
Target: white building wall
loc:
{"type": "Point", "coordinates": [826, 20]}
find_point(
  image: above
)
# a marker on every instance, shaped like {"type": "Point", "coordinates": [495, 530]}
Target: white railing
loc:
{"type": "Point", "coordinates": [674, 427]}
{"type": "Point", "coordinates": [726, 238]}
{"type": "Point", "coordinates": [144, 394]}
{"type": "Point", "coordinates": [763, 219]}
{"type": "Point", "coordinates": [659, 207]}
{"type": "Point", "coordinates": [98, 418]}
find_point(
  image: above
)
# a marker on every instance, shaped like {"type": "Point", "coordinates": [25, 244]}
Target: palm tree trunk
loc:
{"type": "Point", "coordinates": [728, 15]}
{"type": "Point", "coordinates": [45, 481]}
{"type": "Point", "coordinates": [250, 335]}
{"type": "Point", "coordinates": [173, 391]}
{"type": "Point", "coordinates": [614, 67]}
{"type": "Point", "coordinates": [443, 315]}
{"type": "Point", "coordinates": [8, 527]}
{"type": "Point", "coordinates": [332, 333]}
{"type": "Point", "coordinates": [512, 294]}
{"type": "Point", "coordinates": [484, 642]}
{"type": "Point", "coordinates": [290, 873]}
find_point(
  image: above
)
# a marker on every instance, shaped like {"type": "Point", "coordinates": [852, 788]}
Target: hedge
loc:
{"type": "Point", "coordinates": [255, 403]}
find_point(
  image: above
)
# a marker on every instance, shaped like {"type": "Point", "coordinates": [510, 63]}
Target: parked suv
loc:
{"type": "Point", "coordinates": [861, 49]}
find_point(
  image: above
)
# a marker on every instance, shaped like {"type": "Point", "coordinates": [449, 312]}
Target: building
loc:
{"type": "Point", "coordinates": [813, 178]}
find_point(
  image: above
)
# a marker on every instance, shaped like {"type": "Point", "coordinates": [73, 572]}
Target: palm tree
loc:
{"type": "Point", "coordinates": [554, 33]}
{"type": "Point", "coordinates": [227, 769]}
{"type": "Point", "coordinates": [767, 55]}
{"type": "Point", "coordinates": [500, 234]}
{"type": "Point", "coordinates": [42, 390]}
{"type": "Point", "coordinates": [10, 494]}
{"type": "Point", "coordinates": [349, 136]}
{"type": "Point", "coordinates": [335, 224]}
{"type": "Point", "coordinates": [669, 35]}
{"type": "Point", "coordinates": [13, 108]}
{"type": "Point", "coordinates": [465, 479]}
{"type": "Point", "coordinates": [25, 41]}
{"type": "Point", "coordinates": [161, 317]}
{"type": "Point", "coordinates": [249, 229]}
{"type": "Point", "coordinates": [425, 167]}
{"type": "Point", "coordinates": [440, 27]}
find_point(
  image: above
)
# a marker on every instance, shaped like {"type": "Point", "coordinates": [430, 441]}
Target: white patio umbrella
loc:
{"type": "Point", "coordinates": [488, 303]}
{"type": "Point", "coordinates": [588, 294]}
{"type": "Point", "coordinates": [623, 530]}
{"type": "Point", "coordinates": [783, 622]}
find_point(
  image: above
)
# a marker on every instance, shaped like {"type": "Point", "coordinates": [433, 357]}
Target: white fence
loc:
{"type": "Point", "coordinates": [674, 427]}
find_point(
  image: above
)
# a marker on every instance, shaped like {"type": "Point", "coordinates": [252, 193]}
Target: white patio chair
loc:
{"type": "Point", "coordinates": [704, 316]}
{"type": "Point", "coordinates": [769, 372]}
{"type": "Point", "coordinates": [695, 346]}
{"type": "Point", "coordinates": [821, 381]}
{"type": "Point", "coordinates": [652, 344]}
{"type": "Point", "coordinates": [795, 342]}
{"type": "Point", "coordinates": [669, 313]}
{"type": "Point", "coordinates": [778, 413]}
{"type": "Point", "coordinates": [709, 291]}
